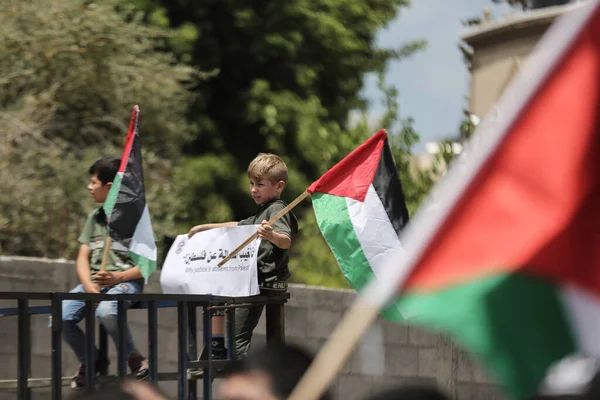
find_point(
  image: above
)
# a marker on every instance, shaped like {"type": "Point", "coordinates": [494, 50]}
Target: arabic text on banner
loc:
{"type": "Point", "coordinates": [191, 264]}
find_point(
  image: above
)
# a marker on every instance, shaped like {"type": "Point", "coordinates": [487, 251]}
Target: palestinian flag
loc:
{"type": "Point", "coordinates": [125, 207]}
{"type": "Point", "coordinates": [360, 209]}
{"type": "Point", "coordinates": [509, 264]}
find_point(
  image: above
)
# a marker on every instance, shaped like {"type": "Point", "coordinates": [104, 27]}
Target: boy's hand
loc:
{"type": "Point", "coordinates": [91, 287]}
{"type": "Point", "coordinates": [206, 227]}
{"type": "Point", "coordinates": [265, 231]}
{"type": "Point", "coordinates": [108, 278]}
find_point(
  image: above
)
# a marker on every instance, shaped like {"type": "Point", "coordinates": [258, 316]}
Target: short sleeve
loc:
{"type": "Point", "coordinates": [246, 221]}
{"type": "Point", "coordinates": [86, 232]}
{"type": "Point", "coordinates": [285, 224]}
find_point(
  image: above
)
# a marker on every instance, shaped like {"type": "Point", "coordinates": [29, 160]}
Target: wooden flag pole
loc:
{"type": "Point", "coordinates": [107, 244]}
{"type": "Point", "coordinates": [272, 221]}
{"type": "Point", "coordinates": [330, 360]}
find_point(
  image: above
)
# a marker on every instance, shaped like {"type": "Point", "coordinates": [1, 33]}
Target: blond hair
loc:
{"type": "Point", "coordinates": [268, 166]}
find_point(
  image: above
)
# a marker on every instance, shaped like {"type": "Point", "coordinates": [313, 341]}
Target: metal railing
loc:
{"type": "Point", "coordinates": [187, 350]}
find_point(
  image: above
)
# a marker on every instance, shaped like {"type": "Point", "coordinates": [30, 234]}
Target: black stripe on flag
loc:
{"type": "Point", "coordinates": [389, 189]}
{"type": "Point", "coordinates": [131, 200]}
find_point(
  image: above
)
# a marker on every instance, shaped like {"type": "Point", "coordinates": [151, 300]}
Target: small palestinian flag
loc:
{"type": "Point", "coordinates": [125, 207]}
{"type": "Point", "coordinates": [360, 209]}
{"type": "Point", "coordinates": [509, 264]}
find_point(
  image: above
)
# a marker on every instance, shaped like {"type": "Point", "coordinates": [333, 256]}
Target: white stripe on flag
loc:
{"type": "Point", "coordinates": [374, 230]}
{"type": "Point", "coordinates": [142, 242]}
{"type": "Point", "coordinates": [583, 311]}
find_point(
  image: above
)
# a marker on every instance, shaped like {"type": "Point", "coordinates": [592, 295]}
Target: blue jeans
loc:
{"type": "Point", "coordinates": [106, 313]}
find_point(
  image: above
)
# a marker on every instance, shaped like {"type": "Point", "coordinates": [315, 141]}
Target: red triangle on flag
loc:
{"type": "Point", "coordinates": [352, 176]}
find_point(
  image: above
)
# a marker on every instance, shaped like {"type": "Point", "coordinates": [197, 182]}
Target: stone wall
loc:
{"type": "Point", "coordinates": [390, 354]}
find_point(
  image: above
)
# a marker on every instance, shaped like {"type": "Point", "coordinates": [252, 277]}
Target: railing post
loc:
{"type": "Point", "coordinates": [192, 349]}
{"type": "Point", "coordinates": [56, 346]}
{"type": "Point", "coordinates": [102, 351]}
{"type": "Point", "coordinates": [187, 348]}
{"type": "Point", "coordinates": [275, 323]}
{"type": "Point", "coordinates": [24, 358]}
{"type": "Point", "coordinates": [90, 344]}
{"type": "Point", "coordinates": [152, 342]}
{"type": "Point", "coordinates": [182, 330]}
{"type": "Point", "coordinates": [231, 346]}
{"type": "Point", "coordinates": [121, 332]}
{"type": "Point", "coordinates": [207, 339]}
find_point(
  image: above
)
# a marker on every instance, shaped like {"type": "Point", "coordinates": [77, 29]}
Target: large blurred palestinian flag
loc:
{"type": "Point", "coordinates": [509, 264]}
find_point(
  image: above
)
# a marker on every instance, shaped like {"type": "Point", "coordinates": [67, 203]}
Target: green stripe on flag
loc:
{"type": "Point", "coordinates": [146, 266]}
{"type": "Point", "coordinates": [336, 226]}
{"type": "Point", "coordinates": [516, 323]}
{"type": "Point", "coordinates": [334, 221]}
{"type": "Point", "coordinates": [113, 193]}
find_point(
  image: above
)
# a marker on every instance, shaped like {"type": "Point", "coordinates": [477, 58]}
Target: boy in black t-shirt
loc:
{"type": "Point", "coordinates": [268, 177]}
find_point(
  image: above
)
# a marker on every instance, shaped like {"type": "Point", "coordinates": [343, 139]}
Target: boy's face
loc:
{"type": "Point", "coordinates": [264, 190]}
{"type": "Point", "coordinates": [97, 190]}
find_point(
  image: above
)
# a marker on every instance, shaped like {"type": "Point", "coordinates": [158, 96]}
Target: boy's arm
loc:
{"type": "Point", "coordinates": [281, 231]}
{"type": "Point", "coordinates": [281, 240]}
{"type": "Point", "coordinates": [205, 227]}
{"type": "Point", "coordinates": [83, 270]}
{"type": "Point", "coordinates": [111, 278]}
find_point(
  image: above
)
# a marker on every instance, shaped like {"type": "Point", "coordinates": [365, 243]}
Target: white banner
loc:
{"type": "Point", "coordinates": [191, 264]}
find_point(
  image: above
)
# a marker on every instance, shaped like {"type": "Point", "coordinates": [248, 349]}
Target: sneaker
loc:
{"type": "Point", "coordinates": [78, 381]}
{"type": "Point", "coordinates": [139, 366]}
{"type": "Point", "coordinates": [218, 353]}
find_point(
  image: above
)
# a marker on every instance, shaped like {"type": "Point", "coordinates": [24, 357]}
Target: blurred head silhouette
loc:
{"type": "Point", "coordinates": [127, 390]}
{"type": "Point", "coordinates": [410, 392]}
{"type": "Point", "coordinates": [270, 373]}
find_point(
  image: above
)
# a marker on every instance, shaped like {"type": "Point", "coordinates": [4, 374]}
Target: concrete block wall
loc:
{"type": "Point", "coordinates": [390, 354]}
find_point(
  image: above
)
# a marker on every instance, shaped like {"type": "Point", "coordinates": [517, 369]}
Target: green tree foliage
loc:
{"type": "Point", "coordinates": [69, 75]}
{"type": "Point", "coordinates": [289, 75]}
{"type": "Point", "coordinates": [284, 77]}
